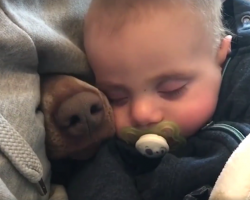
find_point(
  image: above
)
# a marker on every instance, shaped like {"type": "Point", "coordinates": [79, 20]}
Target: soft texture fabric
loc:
{"type": "Point", "coordinates": [234, 180]}
{"type": "Point", "coordinates": [119, 172]}
{"type": "Point", "coordinates": [36, 36]}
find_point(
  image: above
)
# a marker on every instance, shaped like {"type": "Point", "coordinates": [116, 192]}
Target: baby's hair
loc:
{"type": "Point", "coordinates": [122, 11]}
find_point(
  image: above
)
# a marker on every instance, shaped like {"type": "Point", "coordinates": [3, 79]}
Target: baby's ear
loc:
{"type": "Point", "coordinates": [77, 117]}
{"type": "Point", "coordinates": [224, 50]}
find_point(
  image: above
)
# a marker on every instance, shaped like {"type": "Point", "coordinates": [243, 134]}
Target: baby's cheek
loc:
{"type": "Point", "coordinates": [197, 115]}
{"type": "Point", "coordinates": [121, 119]}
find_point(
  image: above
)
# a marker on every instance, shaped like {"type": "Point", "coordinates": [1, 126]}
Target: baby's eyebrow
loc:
{"type": "Point", "coordinates": [172, 76]}
{"type": "Point", "coordinates": [110, 85]}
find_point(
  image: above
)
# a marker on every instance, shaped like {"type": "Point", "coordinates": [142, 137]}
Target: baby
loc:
{"type": "Point", "coordinates": [158, 59]}
{"type": "Point", "coordinates": [161, 60]}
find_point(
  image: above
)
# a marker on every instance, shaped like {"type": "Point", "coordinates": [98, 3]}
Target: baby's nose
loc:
{"type": "Point", "coordinates": [80, 114]}
{"type": "Point", "coordinates": [145, 113]}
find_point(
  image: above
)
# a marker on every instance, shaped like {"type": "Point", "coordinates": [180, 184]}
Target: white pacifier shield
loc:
{"type": "Point", "coordinates": [152, 146]}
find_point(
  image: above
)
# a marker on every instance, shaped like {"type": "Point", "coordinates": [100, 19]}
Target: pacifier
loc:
{"type": "Point", "coordinates": [152, 142]}
{"type": "Point", "coordinates": [152, 145]}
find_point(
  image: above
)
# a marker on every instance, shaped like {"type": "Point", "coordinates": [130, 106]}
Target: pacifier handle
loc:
{"type": "Point", "coordinates": [152, 146]}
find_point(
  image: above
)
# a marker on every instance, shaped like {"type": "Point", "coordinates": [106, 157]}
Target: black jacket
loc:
{"type": "Point", "coordinates": [118, 172]}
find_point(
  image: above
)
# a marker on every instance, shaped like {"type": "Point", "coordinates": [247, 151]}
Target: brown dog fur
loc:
{"type": "Point", "coordinates": [55, 90]}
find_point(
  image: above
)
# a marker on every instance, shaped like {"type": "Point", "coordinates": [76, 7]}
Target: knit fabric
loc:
{"type": "Point", "coordinates": [36, 37]}
{"type": "Point", "coordinates": [19, 152]}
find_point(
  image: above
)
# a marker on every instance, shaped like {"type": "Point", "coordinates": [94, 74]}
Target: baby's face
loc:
{"type": "Point", "coordinates": [161, 68]}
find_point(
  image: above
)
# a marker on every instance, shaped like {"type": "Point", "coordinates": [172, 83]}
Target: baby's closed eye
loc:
{"type": "Point", "coordinates": [172, 88]}
{"type": "Point", "coordinates": [117, 98]}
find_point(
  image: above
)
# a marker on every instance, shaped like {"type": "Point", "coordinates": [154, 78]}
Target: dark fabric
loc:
{"type": "Point", "coordinates": [103, 178]}
{"type": "Point", "coordinates": [201, 193]}
{"type": "Point", "coordinates": [118, 172]}
{"type": "Point", "coordinates": [233, 104]}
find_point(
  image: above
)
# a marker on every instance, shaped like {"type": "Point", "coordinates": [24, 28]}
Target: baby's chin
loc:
{"type": "Point", "coordinates": [186, 133]}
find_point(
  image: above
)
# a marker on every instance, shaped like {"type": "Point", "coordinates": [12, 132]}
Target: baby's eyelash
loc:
{"type": "Point", "coordinates": [175, 93]}
{"type": "Point", "coordinates": [118, 102]}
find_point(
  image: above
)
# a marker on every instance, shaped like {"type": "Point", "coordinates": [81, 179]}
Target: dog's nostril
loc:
{"type": "Point", "coordinates": [95, 109]}
{"type": "Point", "coordinates": [74, 120]}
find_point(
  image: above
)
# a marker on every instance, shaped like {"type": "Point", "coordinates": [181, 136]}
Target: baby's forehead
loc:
{"type": "Point", "coordinates": [112, 19]}
{"type": "Point", "coordinates": [179, 21]}
{"type": "Point", "coordinates": [178, 30]}
{"type": "Point", "coordinates": [112, 15]}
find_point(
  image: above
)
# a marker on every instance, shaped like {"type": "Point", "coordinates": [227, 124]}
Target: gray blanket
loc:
{"type": "Point", "coordinates": [36, 37]}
